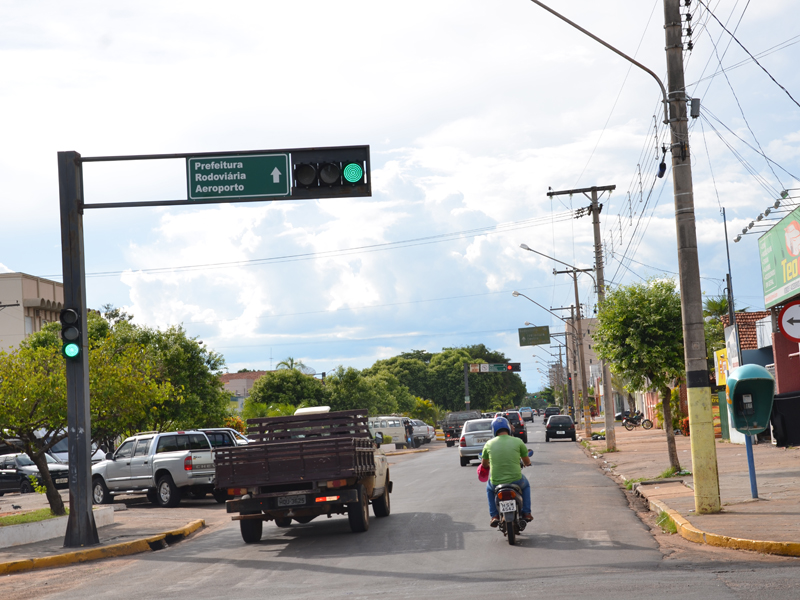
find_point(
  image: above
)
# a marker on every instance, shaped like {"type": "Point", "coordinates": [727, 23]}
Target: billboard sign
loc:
{"type": "Point", "coordinates": [779, 250]}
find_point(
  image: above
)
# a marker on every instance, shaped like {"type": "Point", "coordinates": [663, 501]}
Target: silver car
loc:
{"type": "Point", "coordinates": [474, 435]}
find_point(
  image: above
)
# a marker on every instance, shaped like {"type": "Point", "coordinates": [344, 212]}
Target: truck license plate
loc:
{"type": "Point", "coordinates": [291, 500]}
{"type": "Point", "coordinates": [507, 506]}
{"type": "Point", "coordinates": [62, 480]}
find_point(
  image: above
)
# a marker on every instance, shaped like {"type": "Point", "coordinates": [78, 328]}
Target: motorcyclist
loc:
{"type": "Point", "coordinates": [501, 455]}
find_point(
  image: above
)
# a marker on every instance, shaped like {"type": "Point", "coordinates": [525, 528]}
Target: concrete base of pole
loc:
{"type": "Point", "coordinates": [704, 452]}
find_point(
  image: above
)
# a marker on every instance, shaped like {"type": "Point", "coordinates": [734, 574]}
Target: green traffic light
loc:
{"type": "Point", "coordinates": [71, 350]}
{"type": "Point", "coordinates": [353, 172]}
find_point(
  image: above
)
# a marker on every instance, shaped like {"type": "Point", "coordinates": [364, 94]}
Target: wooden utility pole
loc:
{"type": "Point", "coordinates": [704, 453]}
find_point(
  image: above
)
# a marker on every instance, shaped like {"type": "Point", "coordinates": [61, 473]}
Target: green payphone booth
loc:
{"type": "Point", "coordinates": [751, 391]}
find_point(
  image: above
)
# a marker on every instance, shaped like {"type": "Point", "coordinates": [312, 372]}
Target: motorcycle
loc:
{"type": "Point", "coordinates": [508, 500]}
{"type": "Point", "coordinates": [636, 419]}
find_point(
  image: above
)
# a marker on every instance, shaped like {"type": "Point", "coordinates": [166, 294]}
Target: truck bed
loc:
{"type": "Point", "coordinates": [299, 449]}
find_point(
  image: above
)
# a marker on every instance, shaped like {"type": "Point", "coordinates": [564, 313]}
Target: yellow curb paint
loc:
{"type": "Point", "coordinates": [688, 532]}
{"type": "Point", "coordinates": [112, 551]}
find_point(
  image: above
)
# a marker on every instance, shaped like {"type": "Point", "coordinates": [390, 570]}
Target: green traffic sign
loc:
{"type": "Point", "coordinates": [534, 336]}
{"type": "Point", "coordinates": [243, 176]}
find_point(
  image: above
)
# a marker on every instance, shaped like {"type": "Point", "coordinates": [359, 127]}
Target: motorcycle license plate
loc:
{"type": "Point", "coordinates": [560, 432]}
{"type": "Point", "coordinates": [507, 506]}
{"type": "Point", "coordinates": [291, 500]}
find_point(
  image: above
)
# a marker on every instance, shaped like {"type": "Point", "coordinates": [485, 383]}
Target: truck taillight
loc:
{"type": "Point", "coordinates": [462, 442]}
{"type": "Point", "coordinates": [187, 463]}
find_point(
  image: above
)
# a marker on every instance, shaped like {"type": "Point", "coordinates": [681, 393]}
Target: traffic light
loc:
{"type": "Point", "coordinates": [341, 171]}
{"type": "Point", "coordinates": [71, 333]}
{"type": "Point", "coordinates": [513, 367]}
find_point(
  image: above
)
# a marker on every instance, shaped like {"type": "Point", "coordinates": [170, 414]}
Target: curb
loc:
{"type": "Point", "coordinates": [155, 542]}
{"type": "Point", "coordinates": [399, 452]}
{"type": "Point", "coordinates": [698, 536]}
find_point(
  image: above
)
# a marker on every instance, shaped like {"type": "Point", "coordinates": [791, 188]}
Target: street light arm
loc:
{"type": "Point", "coordinates": [515, 294]}
{"type": "Point", "coordinates": [526, 247]}
{"type": "Point", "coordinates": [610, 47]}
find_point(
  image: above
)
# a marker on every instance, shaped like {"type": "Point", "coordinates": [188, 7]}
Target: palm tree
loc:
{"type": "Point", "coordinates": [290, 363]}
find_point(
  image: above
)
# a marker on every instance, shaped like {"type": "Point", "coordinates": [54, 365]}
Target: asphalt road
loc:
{"type": "Point", "coordinates": [585, 540]}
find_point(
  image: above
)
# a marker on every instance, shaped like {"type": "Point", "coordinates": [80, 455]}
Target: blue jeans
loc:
{"type": "Point", "coordinates": [526, 496]}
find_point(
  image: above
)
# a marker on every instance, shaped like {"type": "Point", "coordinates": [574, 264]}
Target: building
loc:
{"type": "Point", "coordinates": [27, 303]}
{"type": "Point", "coordinates": [238, 385]}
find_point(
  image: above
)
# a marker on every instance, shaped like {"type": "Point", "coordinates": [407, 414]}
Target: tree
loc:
{"type": "Point", "coordinates": [640, 335]}
{"type": "Point", "coordinates": [124, 392]}
{"type": "Point", "coordinates": [290, 363]}
{"type": "Point", "coordinates": [279, 392]}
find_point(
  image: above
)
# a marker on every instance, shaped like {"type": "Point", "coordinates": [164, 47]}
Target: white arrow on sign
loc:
{"type": "Point", "coordinates": [790, 321]}
{"type": "Point", "coordinates": [276, 175]}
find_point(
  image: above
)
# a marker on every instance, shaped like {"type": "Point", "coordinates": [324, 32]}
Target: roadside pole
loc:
{"type": "Point", "coordinates": [608, 392]}
{"type": "Point", "coordinates": [704, 453]}
{"type": "Point", "coordinates": [587, 412]}
{"type": "Point", "coordinates": [81, 528]}
{"type": "Point", "coordinates": [466, 386]}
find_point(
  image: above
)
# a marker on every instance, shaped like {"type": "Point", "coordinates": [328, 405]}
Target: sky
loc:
{"type": "Point", "coordinates": [472, 111]}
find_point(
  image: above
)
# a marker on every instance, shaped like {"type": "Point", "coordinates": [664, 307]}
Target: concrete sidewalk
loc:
{"type": "Point", "coordinates": [138, 527]}
{"type": "Point", "coordinates": [768, 524]}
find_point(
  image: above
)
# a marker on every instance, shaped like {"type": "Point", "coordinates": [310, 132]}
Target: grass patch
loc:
{"type": "Point", "coordinates": [29, 517]}
{"type": "Point", "coordinates": [668, 473]}
{"type": "Point", "coordinates": [666, 523]}
{"type": "Point", "coordinates": [630, 483]}
{"type": "Point", "coordinates": [606, 450]}
{"type": "Point", "coordinates": [586, 444]}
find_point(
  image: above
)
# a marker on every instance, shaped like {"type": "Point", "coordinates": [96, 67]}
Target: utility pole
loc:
{"type": "Point", "coordinates": [81, 527]}
{"type": "Point", "coordinates": [704, 453]}
{"type": "Point", "coordinates": [579, 365]}
{"type": "Point", "coordinates": [594, 209]}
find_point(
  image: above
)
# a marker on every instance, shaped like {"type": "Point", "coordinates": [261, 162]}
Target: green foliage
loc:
{"type": "Point", "coordinates": [38, 488]}
{"type": "Point", "coordinates": [640, 335]}
{"type": "Point", "coordinates": [235, 422]}
{"type": "Point", "coordinates": [675, 405]}
{"type": "Point", "coordinates": [425, 410]}
{"type": "Point", "coordinates": [666, 523]}
{"type": "Point", "coordinates": [278, 393]}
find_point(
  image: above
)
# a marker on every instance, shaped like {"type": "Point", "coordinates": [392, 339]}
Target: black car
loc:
{"type": "Point", "coordinates": [517, 425]}
{"type": "Point", "coordinates": [551, 410]}
{"type": "Point", "coordinates": [15, 469]}
{"type": "Point", "coordinates": [560, 427]}
{"type": "Point", "coordinates": [621, 415]}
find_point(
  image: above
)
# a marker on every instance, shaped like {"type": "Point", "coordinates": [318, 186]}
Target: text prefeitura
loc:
{"type": "Point", "coordinates": [226, 176]}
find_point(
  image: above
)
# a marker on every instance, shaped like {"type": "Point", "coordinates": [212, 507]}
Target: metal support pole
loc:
{"type": "Point", "coordinates": [81, 528]}
{"type": "Point", "coordinates": [587, 412]}
{"type": "Point", "coordinates": [704, 453]}
{"type": "Point", "coordinates": [466, 386]}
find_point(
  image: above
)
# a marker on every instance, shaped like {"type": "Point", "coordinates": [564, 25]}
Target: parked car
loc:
{"type": "Point", "coordinates": [621, 415]}
{"type": "Point", "coordinates": [60, 451]}
{"type": "Point", "coordinates": [15, 471]}
{"type": "Point", "coordinates": [474, 435]}
{"type": "Point", "coordinates": [224, 437]}
{"type": "Point", "coordinates": [560, 427]}
{"type": "Point", "coordinates": [162, 465]}
{"type": "Point", "coordinates": [423, 431]}
{"type": "Point", "coordinates": [389, 427]}
{"type": "Point", "coordinates": [517, 424]}
{"type": "Point", "coordinates": [527, 413]}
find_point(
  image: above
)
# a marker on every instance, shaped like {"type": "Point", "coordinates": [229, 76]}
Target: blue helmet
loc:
{"type": "Point", "coordinates": [500, 423]}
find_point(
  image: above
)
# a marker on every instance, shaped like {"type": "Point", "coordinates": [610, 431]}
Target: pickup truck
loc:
{"type": "Point", "coordinates": [162, 465]}
{"type": "Point", "coordinates": [423, 432]}
{"type": "Point", "coordinates": [453, 423]}
{"type": "Point", "coordinates": [305, 466]}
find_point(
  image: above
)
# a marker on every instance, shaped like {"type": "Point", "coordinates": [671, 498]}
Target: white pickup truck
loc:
{"type": "Point", "coordinates": [162, 465]}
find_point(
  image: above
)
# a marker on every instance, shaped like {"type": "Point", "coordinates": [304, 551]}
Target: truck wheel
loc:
{"type": "Point", "coordinates": [464, 461]}
{"type": "Point", "coordinates": [167, 493]}
{"type": "Point", "coordinates": [251, 530]}
{"type": "Point", "coordinates": [382, 506]}
{"type": "Point", "coordinates": [358, 512]}
{"type": "Point", "coordinates": [449, 444]}
{"type": "Point", "coordinates": [283, 521]}
{"type": "Point", "coordinates": [417, 442]}
{"type": "Point", "coordinates": [100, 493]}
{"type": "Point", "coordinates": [221, 496]}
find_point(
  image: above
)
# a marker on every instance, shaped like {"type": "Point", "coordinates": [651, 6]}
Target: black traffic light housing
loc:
{"type": "Point", "coordinates": [334, 172]}
{"type": "Point", "coordinates": [71, 334]}
{"type": "Point", "coordinates": [513, 367]}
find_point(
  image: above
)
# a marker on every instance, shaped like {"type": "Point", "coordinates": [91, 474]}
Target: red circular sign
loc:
{"type": "Point", "coordinates": [789, 321]}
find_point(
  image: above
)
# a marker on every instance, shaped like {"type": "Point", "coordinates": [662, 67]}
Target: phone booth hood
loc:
{"type": "Point", "coordinates": [753, 383]}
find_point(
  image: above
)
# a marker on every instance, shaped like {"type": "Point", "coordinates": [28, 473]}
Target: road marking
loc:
{"type": "Point", "coordinates": [596, 538]}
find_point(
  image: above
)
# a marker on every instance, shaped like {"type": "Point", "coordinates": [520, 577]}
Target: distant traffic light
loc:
{"type": "Point", "coordinates": [70, 333]}
{"type": "Point", "coordinates": [513, 367]}
{"type": "Point", "coordinates": [341, 171]}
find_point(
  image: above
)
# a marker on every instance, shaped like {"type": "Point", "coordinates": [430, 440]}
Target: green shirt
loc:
{"type": "Point", "coordinates": [503, 453]}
